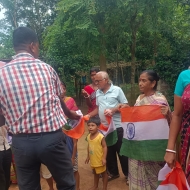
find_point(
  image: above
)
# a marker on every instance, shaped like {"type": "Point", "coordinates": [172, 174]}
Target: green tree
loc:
{"type": "Point", "coordinates": [36, 14]}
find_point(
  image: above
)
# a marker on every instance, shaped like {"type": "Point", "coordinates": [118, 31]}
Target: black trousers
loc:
{"type": "Point", "coordinates": [113, 151]}
{"type": "Point", "coordinates": [5, 165]}
{"type": "Point", "coordinates": [30, 150]}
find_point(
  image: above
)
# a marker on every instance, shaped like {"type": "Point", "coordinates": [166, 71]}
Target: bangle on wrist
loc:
{"type": "Point", "coordinates": [173, 151]}
{"type": "Point", "coordinates": [86, 96]}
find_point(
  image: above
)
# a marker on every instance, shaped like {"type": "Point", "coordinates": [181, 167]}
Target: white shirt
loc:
{"type": "Point", "coordinates": [110, 99]}
{"type": "Point", "coordinates": [3, 139]}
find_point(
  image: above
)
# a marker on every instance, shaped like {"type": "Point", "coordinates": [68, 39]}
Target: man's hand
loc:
{"type": "Point", "coordinates": [122, 106]}
{"type": "Point", "coordinates": [73, 115]}
{"type": "Point", "coordinates": [111, 111]}
{"type": "Point", "coordinates": [108, 112]}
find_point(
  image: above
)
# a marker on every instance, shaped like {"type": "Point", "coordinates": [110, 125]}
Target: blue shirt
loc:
{"type": "Point", "coordinates": [110, 99]}
{"type": "Point", "coordinates": [182, 81]}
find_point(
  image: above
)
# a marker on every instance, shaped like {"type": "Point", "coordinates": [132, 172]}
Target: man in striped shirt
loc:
{"type": "Point", "coordinates": [30, 104]}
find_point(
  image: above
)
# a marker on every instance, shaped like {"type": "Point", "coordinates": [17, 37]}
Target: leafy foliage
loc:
{"type": "Point", "coordinates": [76, 34]}
{"type": "Point", "coordinates": [63, 55]}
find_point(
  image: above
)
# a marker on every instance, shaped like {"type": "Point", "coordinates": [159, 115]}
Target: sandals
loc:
{"type": "Point", "coordinates": [112, 177]}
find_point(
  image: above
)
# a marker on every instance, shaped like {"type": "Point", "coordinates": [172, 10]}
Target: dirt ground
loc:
{"type": "Point", "coordinates": [86, 176]}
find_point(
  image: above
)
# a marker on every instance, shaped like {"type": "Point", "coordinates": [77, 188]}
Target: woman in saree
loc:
{"type": "Point", "coordinates": [71, 142]}
{"type": "Point", "coordinates": [69, 101]}
{"type": "Point", "coordinates": [180, 122]}
{"type": "Point", "coordinates": [89, 91]}
{"type": "Point", "coordinates": [143, 175]}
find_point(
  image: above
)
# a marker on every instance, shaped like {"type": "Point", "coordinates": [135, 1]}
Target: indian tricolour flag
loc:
{"type": "Point", "coordinates": [146, 133]}
{"type": "Point", "coordinates": [172, 179]}
{"type": "Point", "coordinates": [75, 128]}
{"type": "Point", "coordinates": [109, 132]}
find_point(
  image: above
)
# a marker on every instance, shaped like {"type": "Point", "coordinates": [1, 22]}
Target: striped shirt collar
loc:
{"type": "Point", "coordinates": [23, 54]}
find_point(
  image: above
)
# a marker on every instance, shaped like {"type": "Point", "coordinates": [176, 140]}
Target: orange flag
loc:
{"type": "Point", "coordinates": [78, 130]}
{"type": "Point", "coordinates": [172, 179]}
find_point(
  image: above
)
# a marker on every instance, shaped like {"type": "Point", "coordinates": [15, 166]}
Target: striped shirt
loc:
{"type": "Point", "coordinates": [29, 101]}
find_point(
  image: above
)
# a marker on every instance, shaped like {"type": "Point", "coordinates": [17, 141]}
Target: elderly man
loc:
{"type": "Point", "coordinates": [108, 99]}
{"type": "Point", "coordinates": [30, 104]}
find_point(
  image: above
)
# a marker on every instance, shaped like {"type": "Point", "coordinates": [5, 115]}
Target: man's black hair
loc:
{"type": "Point", "coordinates": [94, 120]}
{"type": "Point", "coordinates": [94, 69]}
{"type": "Point", "coordinates": [23, 36]}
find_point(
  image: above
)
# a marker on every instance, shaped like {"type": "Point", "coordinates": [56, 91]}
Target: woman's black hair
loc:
{"type": "Point", "coordinates": [152, 76]}
{"type": "Point", "coordinates": [63, 84]}
{"type": "Point", "coordinates": [94, 120]}
{"type": "Point", "coordinates": [94, 69]}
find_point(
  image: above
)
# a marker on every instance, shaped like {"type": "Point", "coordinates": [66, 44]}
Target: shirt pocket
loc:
{"type": "Point", "coordinates": [112, 101]}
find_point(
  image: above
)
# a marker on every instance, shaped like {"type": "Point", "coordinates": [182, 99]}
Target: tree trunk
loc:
{"type": "Point", "coordinates": [133, 65]}
{"type": "Point", "coordinates": [117, 62]}
{"type": "Point", "coordinates": [13, 15]}
{"type": "Point", "coordinates": [133, 58]}
{"type": "Point", "coordinates": [155, 50]}
{"type": "Point", "coordinates": [103, 66]}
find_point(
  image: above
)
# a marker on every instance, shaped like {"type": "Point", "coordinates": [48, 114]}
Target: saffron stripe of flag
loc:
{"type": "Point", "coordinates": [78, 130]}
{"type": "Point", "coordinates": [145, 133]}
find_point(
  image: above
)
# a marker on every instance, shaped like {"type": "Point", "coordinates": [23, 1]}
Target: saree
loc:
{"type": "Point", "coordinates": [143, 175]}
{"type": "Point", "coordinates": [70, 103]}
{"type": "Point", "coordinates": [185, 133]}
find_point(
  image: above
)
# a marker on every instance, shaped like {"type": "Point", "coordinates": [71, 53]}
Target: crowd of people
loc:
{"type": "Point", "coordinates": [34, 107]}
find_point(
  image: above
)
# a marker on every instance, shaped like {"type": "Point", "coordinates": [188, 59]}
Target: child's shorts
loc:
{"type": "Point", "coordinates": [99, 170]}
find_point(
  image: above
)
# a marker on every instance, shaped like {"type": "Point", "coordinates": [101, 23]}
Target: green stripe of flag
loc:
{"type": "Point", "coordinates": [145, 150]}
{"type": "Point", "coordinates": [111, 138]}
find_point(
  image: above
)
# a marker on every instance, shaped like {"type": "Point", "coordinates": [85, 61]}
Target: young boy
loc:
{"type": "Point", "coordinates": [97, 152]}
